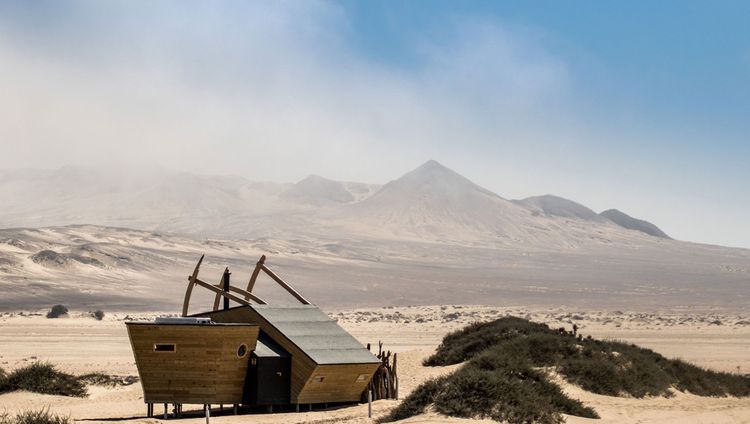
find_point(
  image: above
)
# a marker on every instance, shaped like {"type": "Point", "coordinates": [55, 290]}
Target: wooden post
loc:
{"type": "Point", "coordinates": [234, 409]}
{"type": "Point", "coordinates": [395, 376]}
{"type": "Point", "coordinates": [369, 404]}
{"type": "Point", "coordinates": [149, 410]}
{"type": "Point", "coordinates": [207, 408]}
{"type": "Point", "coordinates": [296, 407]}
{"type": "Point", "coordinates": [166, 412]}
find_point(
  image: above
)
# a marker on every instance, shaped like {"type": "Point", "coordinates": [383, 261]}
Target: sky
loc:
{"type": "Point", "coordinates": [640, 106]}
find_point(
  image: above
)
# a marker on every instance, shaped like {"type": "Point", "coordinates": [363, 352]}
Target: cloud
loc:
{"type": "Point", "coordinates": [265, 89]}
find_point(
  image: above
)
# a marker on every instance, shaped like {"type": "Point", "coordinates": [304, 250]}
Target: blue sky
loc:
{"type": "Point", "coordinates": [641, 106]}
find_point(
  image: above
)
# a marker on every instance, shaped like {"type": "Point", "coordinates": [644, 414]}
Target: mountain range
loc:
{"type": "Point", "coordinates": [126, 241]}
{"type": "Point", "coordinates": [431, 202]}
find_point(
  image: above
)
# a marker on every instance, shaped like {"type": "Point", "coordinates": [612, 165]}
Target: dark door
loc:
{"type": "Point", "coordinates": [268, 381]}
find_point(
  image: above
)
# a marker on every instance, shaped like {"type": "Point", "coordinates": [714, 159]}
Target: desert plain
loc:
{"type": "Point", "coordinates": [79, 344]}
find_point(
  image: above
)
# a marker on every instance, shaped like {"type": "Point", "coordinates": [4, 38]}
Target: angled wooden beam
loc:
{"type": "Point", "coordinates": [254, 276]}
{"type": "Point", "coordinates": [247, 295]}
{"type": "Point", "coordinates": [192, 279]}
{"type": "Point", "coordinates": [218, 289]}
{"type": "Point", "coordinates": [283, 284]}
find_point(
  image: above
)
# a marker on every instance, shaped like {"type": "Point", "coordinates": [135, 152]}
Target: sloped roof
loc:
{"type": "Point", "coordinates": [267, 348]}
{"type": "Point", "coordinates": [320, 337]}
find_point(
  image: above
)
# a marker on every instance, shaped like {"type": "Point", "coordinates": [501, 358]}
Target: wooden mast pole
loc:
{"type": "Point", "coordinates": [189, 290]}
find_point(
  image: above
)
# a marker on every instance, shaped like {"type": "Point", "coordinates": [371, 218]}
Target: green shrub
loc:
{"type": "Point", "coordinates": [4, 387]}
{"type": "Point", "coordinates": [417, 401]}
{"type": "Point", "coordinates": [486, 387]}
{"type": "Point", "coordinates": [42, 416]}
{"type": "Point", "coordinates": [45, 378]}
{"type": "Point", "coordinates": [57, 311]}
{"type": "Point", "coordinates": [467, 342]}
{"type": "Point", "coordinates": [501, 378]}
{"type": "Point", "coordinates": [97, 314]}
{"type": "Point", "coordinates": [603, 367]}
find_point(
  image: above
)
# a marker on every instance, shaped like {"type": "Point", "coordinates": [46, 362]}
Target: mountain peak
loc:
{"type": "Point", "coordinates": [316, 190]}
{"type": "Point", "coordinates": [626, 221]}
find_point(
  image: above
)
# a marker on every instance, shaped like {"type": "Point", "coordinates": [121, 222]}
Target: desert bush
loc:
{"type": "Point", "coordinates": [45, 378]}
{"type": "Point", "coordinates": [417, 401]}
{"type": "Point", "coordinates": [501, 377]}
{"type": "Point", "coordinates": [57, 311]}
{"type": "Point", "coordinates": [463, 344]}
{"type": "Point", "coordinates": [3, 381]}
{"type": "Point", "coordinates": [503, 389]}
{"type": "Point", "coordinates": [603, 367]}
{"type": "Point", "coordinates": [702, 382]}
{"type": "Point", "coordinates": [42, 416]}
{"type": "Point", "coordinates": [97, 315]}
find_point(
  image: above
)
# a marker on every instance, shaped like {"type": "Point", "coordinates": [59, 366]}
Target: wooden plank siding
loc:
{"type": "Point", "coordinates": [339, 383]}
{"type": "Point", "coordinates": [204, 367]}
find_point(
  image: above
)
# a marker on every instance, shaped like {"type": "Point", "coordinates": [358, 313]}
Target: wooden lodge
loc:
{"type": "Point", "coordinates": [251, 354]}
{"type": "Point", "coordinates": [327, 363]}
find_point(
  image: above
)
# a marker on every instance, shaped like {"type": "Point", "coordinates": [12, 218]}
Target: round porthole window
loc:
{"type": "Point", "coordinates": [242, 351]}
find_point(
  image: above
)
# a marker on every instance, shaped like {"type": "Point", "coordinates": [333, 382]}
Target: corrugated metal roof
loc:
{"type": "Point", "coordinates": [316, 334]}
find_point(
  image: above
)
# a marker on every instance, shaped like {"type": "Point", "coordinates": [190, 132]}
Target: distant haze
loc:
{"type": "Point", "coordinates": [524, 101]}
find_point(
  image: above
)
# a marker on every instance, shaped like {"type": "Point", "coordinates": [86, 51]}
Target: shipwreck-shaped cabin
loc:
{"type": "Point", "coordinates": [250, 354]}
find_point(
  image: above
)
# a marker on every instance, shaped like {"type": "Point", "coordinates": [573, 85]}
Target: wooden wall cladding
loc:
{"type": "Point", "coordinates": [204, 366]}
{"type": "Point", "coordinates": [340, 383]}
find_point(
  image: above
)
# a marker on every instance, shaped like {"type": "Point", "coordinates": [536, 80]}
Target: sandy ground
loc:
{"type": "Point", "coordinates": [80, 344]}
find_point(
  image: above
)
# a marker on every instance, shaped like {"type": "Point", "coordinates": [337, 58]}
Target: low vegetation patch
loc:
{"type": "Point", "coordinates": [504, 376]}
{"type": "Point", "coordinates": [41, 377]}
{"type": "Point", "coordinates": [3, 381]}
{"type": "Point", "coordinates": [42, 416]}
{"type": "Point", "coordinates": [57, 311]}
{"type": "Point", "coordinates": [97, 315]}
{"type": "Point", "coordinates": [45, 378]}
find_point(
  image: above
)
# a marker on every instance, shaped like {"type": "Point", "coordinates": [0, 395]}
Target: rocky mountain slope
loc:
{"type": "Point", "coordinates": [626, 221]}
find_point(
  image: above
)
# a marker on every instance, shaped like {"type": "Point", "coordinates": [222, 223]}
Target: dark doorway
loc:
{"type": "Point", "coordinates": [269, 374]}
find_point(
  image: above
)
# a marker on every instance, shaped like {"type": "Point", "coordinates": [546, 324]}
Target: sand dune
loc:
{"type": "Point", "coordinates": [79, 344]}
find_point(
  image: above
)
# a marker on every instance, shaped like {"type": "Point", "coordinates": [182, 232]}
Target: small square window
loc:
{"type": "Point", "coordinates": [164, 347]}
{"type": "Point", "coordinates": [318, 379]}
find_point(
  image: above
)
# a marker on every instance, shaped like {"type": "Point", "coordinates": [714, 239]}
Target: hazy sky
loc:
{"type": "Point", "coordinates": [642, 106]}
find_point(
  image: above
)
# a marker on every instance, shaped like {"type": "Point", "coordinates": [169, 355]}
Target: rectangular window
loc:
{"type": "Point", "coordinates": [164, 347]}
{"type": "Point", "coordinates": [318, 378]}
{"type": "Point", "coordinates": [362, 377]}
